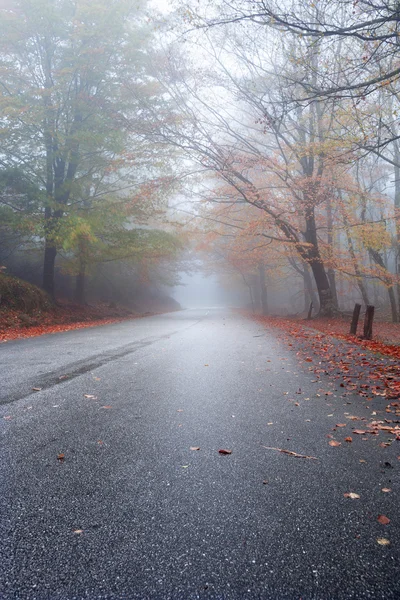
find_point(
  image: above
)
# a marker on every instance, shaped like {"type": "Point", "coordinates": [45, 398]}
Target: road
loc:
{"type": "Point", "coordinates": [131, 512]}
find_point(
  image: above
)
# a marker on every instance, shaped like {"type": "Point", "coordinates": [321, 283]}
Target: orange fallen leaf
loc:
{"type": "Point", "coordinates": [383, 520]}
{"type": "Point", "coordinates": [348, 439]}
{"type": "Point", "coordinates": [195, 447]}
{"type": "Point", "coordinates": [340, 425]}
{"type": "Point", "coordinates": [334, 443]}
{"type": "Point", "coordinates": [107, 406]}
{"type": "Point", "coordinates": [222, 451]}
{"type": "Point", "coordinates": [60, 457]}
{"type": "Point", "coordinates": [359, 431]}
{"type": "Point", "coordinates": [386, 490]}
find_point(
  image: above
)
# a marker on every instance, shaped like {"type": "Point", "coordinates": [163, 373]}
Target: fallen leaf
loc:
{"type": "Point", "coordinates": [383, 520]}
{"type": "Point", "coordinates": [225, 451]}
{"type": "Point", "coordinates": [359, 431]}
{"type": "Point", "coordinates": [90, 396]}
{"type": "Point", "coordinates": [386, 490]}
{"type": "Point", "coordinates": [334, 443]}
{"type": "Point", "coordinates": [270, 423]}
{"type": "Point", "coordinates": [60, 457]}
{"type": "Point", "coordinates": [206, 365]}
{"type": "Point", "coordinates": [348, 439]}
{"type": "Point", "coordinates": [78, 531]}
{"type": "Point", "coordinates": [185, 466]}
{"type": "Point", "coordinates": [351, 495]}
{"type": "Point", "coordinates": [383, 541]}
{"type": "Point", "coordinates": [7, 418]}
{"type": "Point", "coordinates": [195, 447]}
{"type": "Point", "coordinates": [107, 406]}
{"type": "Point", "coordinates": [180, 410]}
{"type": "Point", "coordinates": [36, 389]}
{"type": "Point", "coordinates": [265, 481]}
{"type": "Point", "coordinates": [340, 425]}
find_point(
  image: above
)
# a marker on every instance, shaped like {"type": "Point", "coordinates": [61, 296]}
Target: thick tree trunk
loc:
{"type": "Point", "coordinates": [314, 259]}
{"type": "Point", "coordinates": [309, 294]}
{"type": "Point", "coordinates": [326, 303]}
{"type": "Point", "coordinates": [263, 289]}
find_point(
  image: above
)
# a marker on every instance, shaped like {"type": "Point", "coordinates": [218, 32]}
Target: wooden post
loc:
{"type": "Point", "coordinates": [354, 320]}
{"type": "Point", "coordinates": [309, 312]}
{"type": "Point", "coordinates": [369, 317]}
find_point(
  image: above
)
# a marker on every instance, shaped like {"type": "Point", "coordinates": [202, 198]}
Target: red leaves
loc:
{"type": "Point", "coordinates": [334, 443]}
{"type": "Point", "coordinates": [223, 451]}
{"type": "Point", "coordinates": [63, 318]}
{"type": "Point", "coordinates": [60, 457]}
{"type": "Point", "coordinates": [383, 520]}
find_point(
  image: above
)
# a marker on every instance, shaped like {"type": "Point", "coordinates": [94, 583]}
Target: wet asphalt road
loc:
{"type": "Point", "coordinates": [132, 512]}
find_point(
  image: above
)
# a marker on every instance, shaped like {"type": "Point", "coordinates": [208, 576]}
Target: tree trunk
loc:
{"type": "Point", "coordinates": [314, 259]}
{"type": "Point", "coordinates": [81, 277]}
{"type": "Point", "coordinates": [50, 253]}
{"type": "Point", "coordinates": [263, 289]}
{"type": "Point", "coordinates": [331, 271]}
{"type": "Point", "coordinates": [80, 281]}
{"type": "Point", "coordinates": [360, 281]}
{"type": "Point", "coordinates": [377, 258]}
{"type": "Point", "coordinates": [332, 283]}
{"type": "Point", "coordinates": [326, 304]}
{"type": "Point", "coordinates": [309, 294]}
{"type": "Point", "coordinates": [397, 209]}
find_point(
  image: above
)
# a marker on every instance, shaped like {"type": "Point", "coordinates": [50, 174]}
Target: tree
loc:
{"type": "Point", "coordinates": [64, 103]}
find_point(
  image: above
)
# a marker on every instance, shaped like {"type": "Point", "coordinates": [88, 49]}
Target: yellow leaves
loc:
{"type": "Point", "coordinates": [372, 235]}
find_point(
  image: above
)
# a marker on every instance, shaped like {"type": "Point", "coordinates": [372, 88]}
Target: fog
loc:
{"type": "Point", "coordinates": [199, 291]}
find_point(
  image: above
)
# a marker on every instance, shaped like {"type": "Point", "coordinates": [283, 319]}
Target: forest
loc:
{"type": "Point", "coordinates": [261, 138]}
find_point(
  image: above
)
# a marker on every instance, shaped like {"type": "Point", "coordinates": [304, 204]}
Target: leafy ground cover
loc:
{"type": "Point", "coordinates": [15, 323]}
{"type": "Point", "coordinates": [347, 365]}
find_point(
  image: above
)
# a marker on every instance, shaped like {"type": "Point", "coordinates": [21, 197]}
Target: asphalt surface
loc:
{"type": "Point", "coordinates": [130, 511]}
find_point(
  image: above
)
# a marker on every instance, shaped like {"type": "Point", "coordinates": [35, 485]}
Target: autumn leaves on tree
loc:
{"type": "Point", "coordinates": [68, 131]}
{"type": "Point", "coordinates": [281, 125]}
